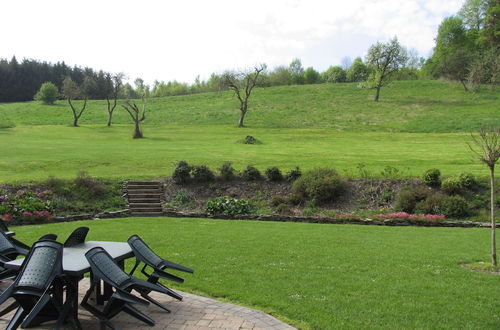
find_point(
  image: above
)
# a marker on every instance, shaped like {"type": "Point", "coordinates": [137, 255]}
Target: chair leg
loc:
{"type": "Point", "coordinates": [129, 309]}
{"type": "Point", "coordinates": [155, 302]}
{"type": "Point", "coordinates": [9, 308]}
{"type": "Point", "coordinates": [35, 310]}
{"type": "Point", "coordinates": [17, 319]}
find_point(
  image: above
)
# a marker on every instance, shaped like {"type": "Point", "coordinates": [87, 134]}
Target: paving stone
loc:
{"type": "Point", "coordinates": [192, 313]}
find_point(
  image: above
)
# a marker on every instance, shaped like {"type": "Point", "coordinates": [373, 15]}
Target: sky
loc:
{"type": "Point", "coordinates": [179, 40]}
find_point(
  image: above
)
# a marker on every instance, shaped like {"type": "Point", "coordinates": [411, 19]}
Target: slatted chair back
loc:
{"type": "Point", "coordinates": [105, 268]}
{"type": "Point", "coordinates": [7, 248]}
{"type": "Point", "coordinates": [41, 266]}
{"type": "Point", "coordinates": [77, 237]}
{"type": "Point", "coordinates": [51, 237]}
{"type": "Point", "coordinates": [143, 252]}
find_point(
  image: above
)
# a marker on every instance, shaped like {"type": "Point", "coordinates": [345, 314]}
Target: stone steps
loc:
{"type": "Point", "coordinates": [144, 198]}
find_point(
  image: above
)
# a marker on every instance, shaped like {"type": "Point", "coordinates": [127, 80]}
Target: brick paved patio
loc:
{"type": "Point", "coordinates": [194, 312]}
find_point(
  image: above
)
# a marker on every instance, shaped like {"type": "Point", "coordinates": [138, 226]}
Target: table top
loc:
{"type": "Point", "coordinates": [74, 261]}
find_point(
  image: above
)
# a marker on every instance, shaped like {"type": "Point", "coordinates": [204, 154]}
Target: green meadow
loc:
{"type": "Point", "coordinates": [34, 152]}
{"type": "Point", "coordinates": [416, 125]}
{"type": "Point", "coordinates": [322, 276]}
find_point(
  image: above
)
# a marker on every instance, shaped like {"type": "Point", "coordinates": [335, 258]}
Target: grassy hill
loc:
{"type": "Point", "coordinates": [416, 125]}
{"type": "Point", "coordinates": [405, 106]}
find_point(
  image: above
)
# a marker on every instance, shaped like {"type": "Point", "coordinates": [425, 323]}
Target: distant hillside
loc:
{"type": "Point", "coordinates": [405, 106]}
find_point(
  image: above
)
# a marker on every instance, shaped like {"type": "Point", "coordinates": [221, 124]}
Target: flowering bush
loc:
{"type": "Point", "coordinates": [25, 205]}
{"type": "Point", "coordinates": [227, 205]}
{"type": "Point", "coordinates": [407, 216]}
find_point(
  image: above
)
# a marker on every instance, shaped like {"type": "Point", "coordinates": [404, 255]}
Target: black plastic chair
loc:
{"type": "Point", "coordinates": [4, 228]}
{"type": "Point", "coordinates": [8, 252]}
{"type": "Point", "coordinates": [104, 268]}
{"type": "Point", "coordinates": [51, 237]}
{"type": "Point", "coordinates": [77, 237]}
{"type": "Point", "coordinates": [33, 289]}
{"type": "Point", "coordinates": [143, 253]}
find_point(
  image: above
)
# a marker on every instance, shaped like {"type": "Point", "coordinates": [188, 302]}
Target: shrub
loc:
{"type": "Point", "coordinates": [183, 197]}
{"type": "Point", "coordinates": [278, 199]}
{"type": "Point", "coordinates": [456, 207]}
{"type": "Point", "coordinates": [293, 175]}
{"type": "Point", "coordinates": [274, 174]}
{"type": "Point", "coordinates": [467, 180]}
{"type": "Point", "coordinates": [48, 93]}
{"type": "Point", "coordinates": [390, 172]}
{"type": "Point", "coordinates": [56, 184]}
{"type": "Point", "coordinates": [452, 185]}
{"type": "Point", "coordinates": [227, 205]}
{"type": "Point", "coordinates": [181, 173]}
{"type": "Point", "coordinates": [250, 140]}
{"type": "Point", "coordinates": [322, 185]}
{"type": "Point", "coordinates": [283, 209]}
{"type": "Point", "coordinates": [87, 187]}
{"type": "Point", "coordinates": [202, 173]}
{"type": "Point", "coordinates": [226, 171]}
{"type": "Point", "coordinates": [433, 204]}
{"type": "Point", "coordinates": [432, 178]}
{"type": "Point", "coordinates": [408, 198]}
{"type": "Point", "coordinates": [251, 173]}
{"type": "Point", "coordinates": [296, 199]}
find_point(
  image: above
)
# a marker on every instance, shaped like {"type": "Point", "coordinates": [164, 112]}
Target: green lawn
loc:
{"type": "Point", "coordinates": [35, 152]}
{"type": "Point", "coordinates": [417, 125]}
{"type": "Point", "coordinates": [323, 276]}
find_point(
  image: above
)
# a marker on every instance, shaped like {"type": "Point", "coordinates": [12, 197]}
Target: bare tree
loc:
{"type": "Point", "coordinates": [137, 115]}
{"type": "Point", "coordinates": [242, 83]}
{"type": "Point", "coordinates": [486, 146]}
{"type": "Point", "coordinates": [386, 59]}
{"type": "Point", "coordinates": [72, 91]}
{"type": "Point", "coordinates": [113, 87]}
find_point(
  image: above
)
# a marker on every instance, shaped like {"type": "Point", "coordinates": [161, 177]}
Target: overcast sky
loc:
{"type": "Point", "coordinates": [167, 40]}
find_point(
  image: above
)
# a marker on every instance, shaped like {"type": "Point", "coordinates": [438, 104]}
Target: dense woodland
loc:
{"type": "Point", "coordinates": [467, 50]}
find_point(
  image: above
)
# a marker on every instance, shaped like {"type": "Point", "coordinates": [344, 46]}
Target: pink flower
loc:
{"type": "Point", "coordinates": [6, 217]}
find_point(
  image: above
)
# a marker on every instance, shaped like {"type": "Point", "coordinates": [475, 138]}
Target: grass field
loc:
{"type": "Point", "coordinates": [405, 106]}
{"type": "Point", "coordinates": [35, 152]}
{"type": "Point", "coordinates": [323, 276]}
{"type": "Point", "coordinates": [417, 125]}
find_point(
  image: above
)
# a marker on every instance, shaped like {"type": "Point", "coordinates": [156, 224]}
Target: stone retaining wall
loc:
{"type": "Point", "coordinates": [284, 218]}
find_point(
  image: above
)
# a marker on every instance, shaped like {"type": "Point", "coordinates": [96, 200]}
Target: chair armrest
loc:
{"type": "Point", "coordinates": [162, 274]}
{"type": "Point", "coordinates": [128, 297]}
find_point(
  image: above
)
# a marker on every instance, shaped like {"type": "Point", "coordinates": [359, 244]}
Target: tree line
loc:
{"type": "Point", "coordinates": [467, 50]}
{"type": "Point", "coordinates": [468, 46]}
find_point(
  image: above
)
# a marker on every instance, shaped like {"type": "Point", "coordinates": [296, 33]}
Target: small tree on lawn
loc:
{"type": "Point", "coordinates": [48, 93]}
{"type": "Point", "coordinates": [137, 115]}
{"type": "Point", "coordinates": [386, 59]}
{"type": "Point", "coordinates": [486, 145]}
{"type": "Point", "coordinates": [242, 84]}
{"type": "Point", "coordinates": [113, 88]}
{"type": "Point", "coordinates": [72, 91]}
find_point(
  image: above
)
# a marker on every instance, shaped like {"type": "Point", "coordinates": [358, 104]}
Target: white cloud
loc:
{"type": "Point", "coordinates": [169, 40]}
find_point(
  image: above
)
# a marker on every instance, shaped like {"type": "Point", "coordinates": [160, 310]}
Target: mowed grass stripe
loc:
{"type": "Point", "coordinates": [35, 152]}
{"type": "Point", "coordinates": [323, 276]}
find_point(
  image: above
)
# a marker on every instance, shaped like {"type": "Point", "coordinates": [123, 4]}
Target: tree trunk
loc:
{"type": "Point", "coordinates": [242, 117]}
{"type": "Point", "coordinates": [377, 94]}
{"type": "Point", "coordinates": [137, 132]}
{"type": "Point", "coordinates": [465, 86]}
{"type": "Point", "coordinates": [75, 121]}
{"type": "Point", "coordinates": [493, 223]}
{"type": "Point", "coordinates": [110, 113]}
